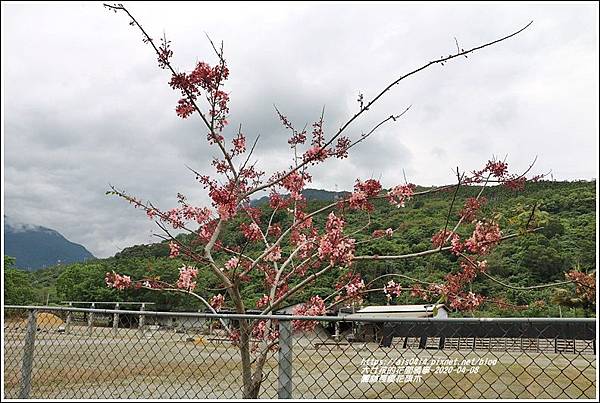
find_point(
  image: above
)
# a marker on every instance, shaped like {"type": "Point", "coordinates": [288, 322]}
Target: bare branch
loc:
{"type": "Point", "coordinates": [366, 107]}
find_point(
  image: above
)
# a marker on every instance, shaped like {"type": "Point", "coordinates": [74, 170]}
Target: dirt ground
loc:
{"type": "Point", "coordinates": [166, 364]}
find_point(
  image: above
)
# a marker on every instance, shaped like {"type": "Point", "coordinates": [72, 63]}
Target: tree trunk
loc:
{"type": "Point", "coordinates": [250, 391]}
{"type": "Point", "coordinates": [252, 380]}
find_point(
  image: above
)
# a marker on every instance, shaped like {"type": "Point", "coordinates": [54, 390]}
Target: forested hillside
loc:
{"type": "Point", "coordinates": [567, 210]}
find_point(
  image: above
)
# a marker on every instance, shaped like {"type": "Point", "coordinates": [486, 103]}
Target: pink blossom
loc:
{"type": "Point", "coordinates": [260, 329]}
{"type": "Point", "coordinates": [232, 263]}
{"type": "Point", "coordinates": [251, 232]}
{"type": "Point", "coordinates": [263, 301]}
{"type": "Point", "coordinates": [186, 276]}
{"type": "Point", "coordinates": [371, 187]}
{"type": "Point", "coordinates": [466, 301]}
{"type": "Point", "coordinates": [217, 302]}
{"type": "Point", "coordinates": [359, 200]}
{"type": "Point", "coordinates": [418, 292]}
{"type": "Point", "coordinates": [151, 213]}
{"type": "Point", "coordinates": [354, 288]}
{"type": "Point", "coordinates": [274, 254]}
{"type": "Point", "coordinates": [485, 236]}
{"type": "Point", "coordinates": [378, 233]}
{"type": "Point", "coordinates": [333, 245]}
{"type": "Point", "coordinates": [274, 230]}
{"type": "Point", "coordinates": [234, 336]}
{"type": "Point", "coordinates": [314, 307]}
{"type": "Point", "coordinates": [392, 289]}
{"type": "Point", "coordinates": [439, 239]}
{"type": "Point", "coordinates": [294, 183]}
{"type": "Point", "coordinates": [315, 154]}
{"type": "Point", "coordinates": [239, 144]}
{"type": "Point", "coordinates": [400, 194]}
{"type": "Point", "coordinates": [482, 265]}
{"type": "Point", "coordinates": [471, 208]}
{"type": "Point", "coordinates": [174, 249]}
{"type": "Point", "coordinates": [585, 284]}
{"type": "Point", "coordinates": [362, 192]}
{"type": "Point", "coordinates": [115, 280]}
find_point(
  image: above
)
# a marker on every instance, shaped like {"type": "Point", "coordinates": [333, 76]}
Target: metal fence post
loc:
{"type": "Point", "coordinates": [27, 367]}
{"type": "Point", "coordinates": [68, 322]}
{"type": "Point", "coordinates": [116, 320]}
{"type": "Point", "coordinates": [141, 319]}
{"type": "Point", "coordinates": [91, 319]}
{"type": "Point", "coordinates": [284, 390]}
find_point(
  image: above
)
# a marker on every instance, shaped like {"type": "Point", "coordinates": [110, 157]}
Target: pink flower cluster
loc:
{"type": "Point", "coordinates": [277, 201]}
{"type": "Point", "coordinates": [458, 299]}
{"type": "Point", "coordinates": [400, 194]}
{"type": "Point", "coordinates": [392, 289]}
{"type": "Point", "coordinates": [439, 239]}
{"type": "Point", "coordinates": [363, 191]}
{"type": "Point", "coordinates": [486, 235]}
{"type": "Point", "coordinates": [217, 302]}
{"type": "Point", "coordinates": [585, 284]}
{"type": "Point", "coordinates": [294, 183]}
{"type": "Point", "coordinates": [251, 232]}
{"type": "Point", "coordinates": [315, 154]}
{"type": "Point", "coordinates": [232, 263]}
{"type": "Point", "coordinates": [187, 274]}
{"type": "Point", "coordinates": [354, 287]}
{"type": "Point", "coordinates": [235, 336]}
{"type": "Point", "coordinates": [471, 208]}
{"type": "Point", "coordinates": [418, 292]}
{"type": "Point", "coordinates": [466, 301]}
{"type": "Point", "coordinates": [334, 246]}
{"type": "Point", "coordinates": [260, 332]}
{"type": "Point", "coordinates": [274, 230]}
{"type": "Point", "coordinates": [178, 216]}
{"type": "Point", "coordinates": [314, 307]}
{"type": "Point", "coordinates": [499, 170]}
{"type": "Point", "coordinates": [379, 233]}
{"type": "Point", "coordinates": [274, 254]}
{"type": "Point", "coordinates": [115, 280]}
{"type": "Point", "coordinates": [359, 200]}
{"type": "Point", "coordinates": [239, 144]}
{"type": "Point", "coordinates": [173, 249]}
{"type": "Point", "coordinates": [263, 301]}
{"type": "Point", "coordinates": [206, 231]}
{"type": "Point", "coordinates": [209, 79]}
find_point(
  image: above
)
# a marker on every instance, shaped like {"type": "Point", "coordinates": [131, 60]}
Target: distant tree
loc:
{"type": "Point", "coordinates": [83, 282]}
{"type": "Point", "coordinates": [17, 284]}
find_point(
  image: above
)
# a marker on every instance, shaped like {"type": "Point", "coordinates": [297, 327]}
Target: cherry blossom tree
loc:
{"type": "Point", "coordinates": [290, 254]}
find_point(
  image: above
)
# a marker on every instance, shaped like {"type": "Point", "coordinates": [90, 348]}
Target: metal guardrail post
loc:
{"type": "Point", "coordinates": [284, 390]}
{"type": "Point", "coordinates": [91, 320]}
{"type": "Point", "coordinates": [68, 321]}
{"type": "Point", "coordinates": [116, 320]}
{"type": "Point", "coordinates": [27, 366]}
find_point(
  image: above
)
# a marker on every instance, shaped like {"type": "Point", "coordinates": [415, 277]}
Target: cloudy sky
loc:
{"type": "Point", "coordinates": [86, 106]}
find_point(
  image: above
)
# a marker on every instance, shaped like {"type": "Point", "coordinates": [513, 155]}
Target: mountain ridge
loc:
{"type": "Point", "coordinates": [36, 247]}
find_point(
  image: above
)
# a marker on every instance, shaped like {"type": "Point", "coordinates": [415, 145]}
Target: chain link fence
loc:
{"type": "Point", "coordinates": [77, 353]}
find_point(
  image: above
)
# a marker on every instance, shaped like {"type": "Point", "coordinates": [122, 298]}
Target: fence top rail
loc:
{"type": "Point", "coordinates": [293, 317]}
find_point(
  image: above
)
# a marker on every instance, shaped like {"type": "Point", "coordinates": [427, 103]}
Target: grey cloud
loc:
{"type": "Point", "coordinates": [85, 104]}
